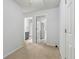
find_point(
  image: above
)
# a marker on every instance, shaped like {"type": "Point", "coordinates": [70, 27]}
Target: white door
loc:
{"type": "Point", "coordinates": [69, 29]}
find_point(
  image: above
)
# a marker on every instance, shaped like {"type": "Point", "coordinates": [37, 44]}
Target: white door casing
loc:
{"type": "Point", "coordinates": [69, 48]}
{"type": "Point", "coordinates": [38, 31]}
{"type": "Point", "coordinates": [41, 29]}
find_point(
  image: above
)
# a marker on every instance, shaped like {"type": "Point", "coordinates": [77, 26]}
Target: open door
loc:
{"type": "Point", "coordinates": [69, 30]}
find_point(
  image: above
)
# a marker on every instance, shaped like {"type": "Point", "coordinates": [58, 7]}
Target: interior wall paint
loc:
{"type": "Point", "coordinates": [53, 27]}
{"type": "Point", "coordinates": [62, 28]}
{"type": "Point", "coordinates": [13, 26]}
{"type": "Point", "coordinates": [52, 24]}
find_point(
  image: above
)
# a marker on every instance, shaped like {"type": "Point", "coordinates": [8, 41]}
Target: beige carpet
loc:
{"type": "Point", "coordinates": [36, 51]}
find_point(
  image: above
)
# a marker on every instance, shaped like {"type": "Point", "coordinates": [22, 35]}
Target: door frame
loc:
{"type": "Point", "coordinates": [36, 24]}
{"type": "Point", "coordinates": [24, 25]}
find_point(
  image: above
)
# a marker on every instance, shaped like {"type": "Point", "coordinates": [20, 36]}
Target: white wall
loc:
{"type": "Point", "coordinates": [13, 26]}
{"type": "Point", "coordinates": [52, 24]}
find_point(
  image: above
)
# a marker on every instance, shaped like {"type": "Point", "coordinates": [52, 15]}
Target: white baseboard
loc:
{"type": "Point", "coordinates": [51, 44]}
{"type": "Point", "coordinates": [12, 52]}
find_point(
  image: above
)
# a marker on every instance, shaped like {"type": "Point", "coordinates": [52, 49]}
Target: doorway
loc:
{"type": "Point", "coordinates": [28, 29]}
{"type": "Point", "coordinates": [41, 29]}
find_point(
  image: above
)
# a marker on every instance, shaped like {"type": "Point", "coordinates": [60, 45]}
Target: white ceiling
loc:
{"type": "Point", "coordinates": [33, 5]}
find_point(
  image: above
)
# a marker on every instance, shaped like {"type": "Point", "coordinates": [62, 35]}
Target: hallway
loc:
{"type": "Point", "coordinates": [36, 51]}
{"type": "Point", "coordinates": [44, 23]}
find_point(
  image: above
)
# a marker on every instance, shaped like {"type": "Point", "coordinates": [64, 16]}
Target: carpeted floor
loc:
{"type": "Point", "coordinates": [35, 51]}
